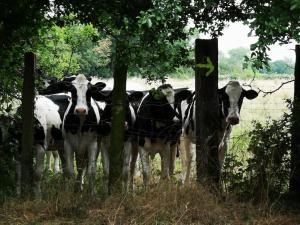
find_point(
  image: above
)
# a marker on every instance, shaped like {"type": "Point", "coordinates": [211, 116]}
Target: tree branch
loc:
{"type": "Point", "coordinates": [269, 92]}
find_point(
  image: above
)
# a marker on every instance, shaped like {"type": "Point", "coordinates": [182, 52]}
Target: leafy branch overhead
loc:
{"type": "Point", "coordinates": [156, 33]}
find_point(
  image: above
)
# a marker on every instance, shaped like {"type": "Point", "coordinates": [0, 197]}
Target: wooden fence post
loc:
{"type": "Point", "coordinates": [207, 111]}
{"type": "Point", "coordinates": [27, 125]}
{"type": "Point", "coordinates": [295, 152]}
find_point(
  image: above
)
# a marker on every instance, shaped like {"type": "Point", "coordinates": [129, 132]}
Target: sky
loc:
{"type": "Point", "coordinates": [236, 35]}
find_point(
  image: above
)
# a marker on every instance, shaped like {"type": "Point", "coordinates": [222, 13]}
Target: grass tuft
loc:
{"type": "Point", "coordinates": [162, 204]}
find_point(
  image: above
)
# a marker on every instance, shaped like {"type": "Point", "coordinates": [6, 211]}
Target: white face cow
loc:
{"type": "Point", "coordinates": [230, 100]}
{"type": "Point", "coordinates": [158, 127]}
{"type": "Point", "coordinates": [81, 85]}
{"type": "Point", "coordinates": [80, 126]}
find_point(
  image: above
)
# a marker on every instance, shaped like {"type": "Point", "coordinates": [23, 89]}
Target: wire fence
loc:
{"type": "Point", "coordinates": [261, 108]}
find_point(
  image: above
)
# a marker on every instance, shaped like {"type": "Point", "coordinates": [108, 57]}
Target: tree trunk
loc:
{"type": "Point", "coordinates": [118, 118]}
{"type": "Point", "coordinates": [207, 111]}
{"type": "Point", "coordinates": [295, 154]}
{"type": "Point", "coordinates": [27, 125]}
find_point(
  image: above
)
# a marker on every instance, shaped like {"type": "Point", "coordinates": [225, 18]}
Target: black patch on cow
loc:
{"type": "Point", "coordinates": [141, 142]}
{"type": "Point", "coordinates": [39, 133]}
{"type": "Point", "coordinates": [223, 102]}
{"type": "Point", "coordinates": [155, 120]}
{"type": "Point", "coordinates": [56, 133]}
{"type": "Point", "coordinates": [90, 122]}
{"type": "Point", "coordinates": [1, 135]}
{"type": "Point", "coordinates": [104, 127]}
{"type": "Point", "coordinates": [72, 121]}
{"type": "Point", "coordinates": [190, 112]}
{"type": "Point", "coordinates": [62, 101]}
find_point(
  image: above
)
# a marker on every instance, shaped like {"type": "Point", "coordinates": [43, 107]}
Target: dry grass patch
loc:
{"type": "Point", "coordinates": [162, 204]}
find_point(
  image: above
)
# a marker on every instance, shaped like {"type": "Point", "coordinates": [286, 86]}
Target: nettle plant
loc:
{"type": "Point", "coordinates": [265, 175]}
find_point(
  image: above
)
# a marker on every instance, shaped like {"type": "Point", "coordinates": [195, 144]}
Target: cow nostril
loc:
{"type": "Point", "coordinates": [233, 120]}
{"type": "Point", "coordinates": [125, 125]}
{"type": "Point", "coordinates": [80, 111]}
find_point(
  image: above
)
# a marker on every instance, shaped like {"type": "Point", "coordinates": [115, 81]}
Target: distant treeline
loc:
{"type": "Point", "coordinates": [233, 66]}
{"type": "Point", "coordinates": [76, 48]}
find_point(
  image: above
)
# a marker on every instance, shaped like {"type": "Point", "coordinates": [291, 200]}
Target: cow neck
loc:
{"type": "Point", "coordinates": [191, 121]}
{"type": "Point", "coordinates": [178, 114]}
{"type": "Point", "coordinates": [190, 108]}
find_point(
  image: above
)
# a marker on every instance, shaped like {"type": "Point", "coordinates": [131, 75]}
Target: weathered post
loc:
{"type": "Point", "coordinates": [207, 111]}
{"type": "Point", "coordinates": [295, 154]}
{"type": "Point", "coordinates": [27, 125]}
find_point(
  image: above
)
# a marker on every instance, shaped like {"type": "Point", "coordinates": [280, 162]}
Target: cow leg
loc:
{"type": "Point", "coordinates": [165, 162]}
{"type": "Point", "coordinates": [134, 155]}
{"type": "Point", "coordinates": [48, 160]}
{"type": "Point", "coordinates": [105, 143]}
{"type": "Point", "coordinates": [56, 161]}
{"type": "Point", "coordinates": [39, 168]}
{"type": "Point", "coordinates": [80, 164]}
{"type": "Point", "coordinates": [69, 159]}
{"type": "Point", "coordinates": [186, 158]}
{"type": "Point", "coordinates": [92, 166]}
{"type": "Point", "coordinates": [224, 146]}
{"type": "Point", "coordinates": [18, 177]}
{"type": "Point", "coordinates": [126, 164]}
{"type": "Point", "coordinates": [173, 152]}
{"type": "Point", "coordinates": [63, 161]}
{"type": "Point", "coordinates": [145, 166]}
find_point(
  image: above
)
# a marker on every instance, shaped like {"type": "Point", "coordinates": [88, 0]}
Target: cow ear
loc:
{"type": "Point", "coordinates": [221, 91]}
{"type": "Point", "coordinates": [69, 78]}
{"type": "Point", "coordinates": [99, 86]}
{"type": "Point", "coordinates": [250, 94]}
{"type": "Point", "coordinates": [102, 96]}
{"type": "Point", "coordinates": [182, 95]}
{"type": "Point", "coordinates": [135, 96]}
{"type": "Point", "coordinates": [55, 88]}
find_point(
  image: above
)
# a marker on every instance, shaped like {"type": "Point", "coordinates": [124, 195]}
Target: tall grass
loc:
{"type": "Point", "coordinates": [162, 204]}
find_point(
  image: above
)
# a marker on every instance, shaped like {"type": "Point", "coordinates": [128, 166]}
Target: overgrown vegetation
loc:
{"type": "Point", "coordinates": [152, 36]}
{"type": "Point", "coordinates": [162, 204]}
{"type": "Point", "coordinates": [264, 174]}
{"type": "Point", "coordinates": [73, 48]}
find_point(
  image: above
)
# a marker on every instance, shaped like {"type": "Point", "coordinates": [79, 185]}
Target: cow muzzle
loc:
{"type": "Point", "coordinates": [126, 126]}
{"type": "Point", "coordinates": [81, 111]}
{"type": "Point", "coordinates": [233, 120]}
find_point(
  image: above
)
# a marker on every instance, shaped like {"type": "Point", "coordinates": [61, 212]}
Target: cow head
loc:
{"type": "Point", "coordinates": [164, 101]}
{"type": "Point", "coordinates": [231, 99]}
{"type": "Point", "coordinates": [106, 117]}
{"type": "Point", "coordinates": [81, 92]}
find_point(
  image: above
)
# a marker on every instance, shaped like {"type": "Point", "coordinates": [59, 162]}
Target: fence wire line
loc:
{"type": "Point", "coordinates": [273, 108]}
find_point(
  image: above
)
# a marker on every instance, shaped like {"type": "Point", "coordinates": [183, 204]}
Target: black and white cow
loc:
{"type": "Point", "coordinates": [48, 116]}
{"type": "Point", "coordinates": [80, 127]}
{"type": "Point", "coordinates": [158, 126]}
{"type": "Point", "coordinates": [47, 135]}
{"type": "Point", "coordinates": [104, 132]}
{"type": "Point", "coordinates": [47, 131]}
{"type": "Point", "coordinates": [230, 100]}
{"type": "Point", "coordinates": [56, 146]}
{"type": "Point", "coordinates": [62, 101]}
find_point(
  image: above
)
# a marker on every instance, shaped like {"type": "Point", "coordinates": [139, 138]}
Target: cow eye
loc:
{"type": "Point", "coordinates": [168, 93]}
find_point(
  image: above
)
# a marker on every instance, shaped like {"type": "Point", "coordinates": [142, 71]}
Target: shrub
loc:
{"type": "Point", "coordinates": [265, 175]}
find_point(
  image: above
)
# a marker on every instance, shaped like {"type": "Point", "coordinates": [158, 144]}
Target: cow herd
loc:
{"type": "Point", "coordinates": [73, 120]}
